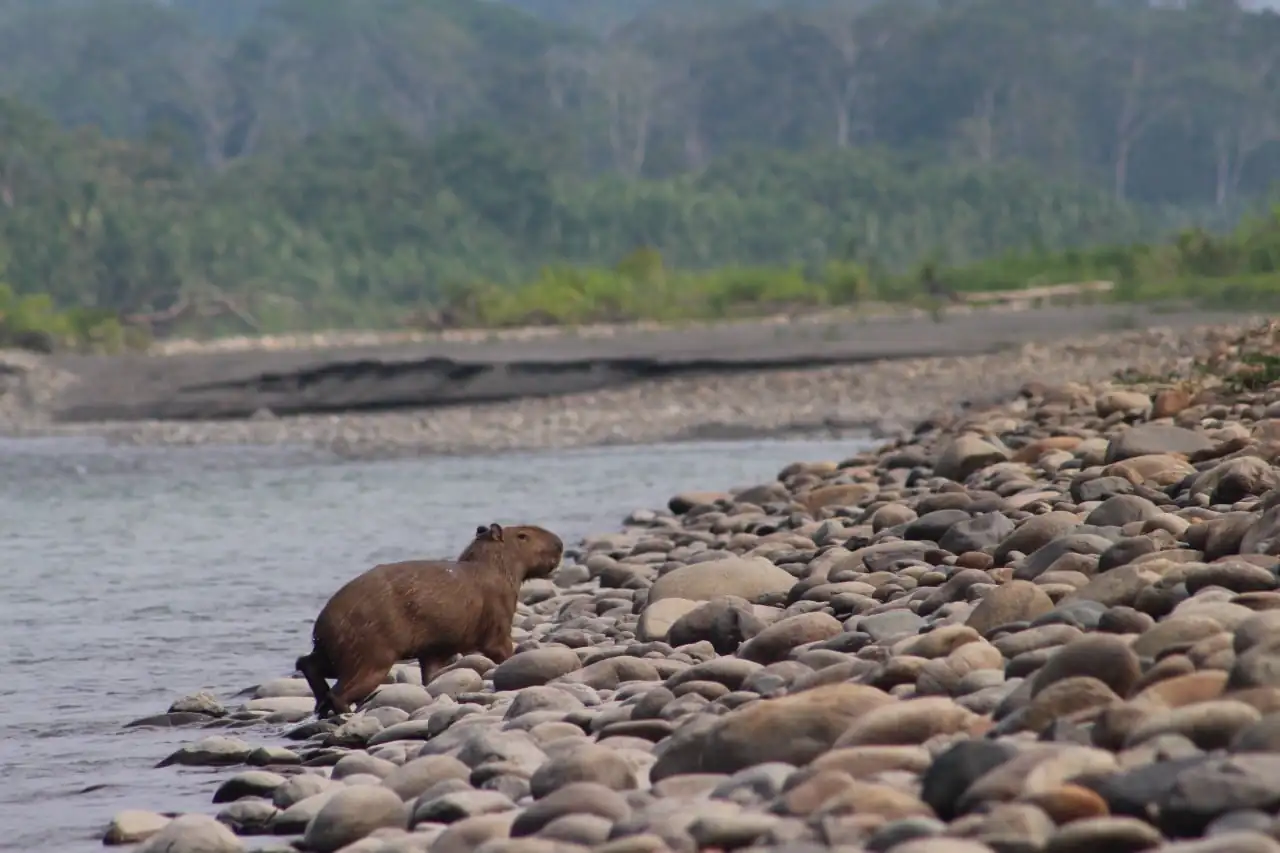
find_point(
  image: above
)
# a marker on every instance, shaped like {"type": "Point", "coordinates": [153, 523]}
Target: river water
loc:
{"type": "Point", "coordinates": [129, 577]}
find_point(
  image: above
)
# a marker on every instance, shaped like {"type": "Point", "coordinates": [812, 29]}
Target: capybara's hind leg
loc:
{"type": "Point", "coordinates": [314, 672]}
{"type": "Point", "coordinates": [429, 667]}
{"type": "Point", "coordinates": [348, 692]}
{"type": "Point", "coordinates": [499, 650]}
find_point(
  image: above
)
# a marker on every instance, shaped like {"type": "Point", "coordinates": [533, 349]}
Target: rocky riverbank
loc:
{"type": "Point", "coordinates": [881, 396]}
{"type": "Point", "coordinates": [1048, 624]}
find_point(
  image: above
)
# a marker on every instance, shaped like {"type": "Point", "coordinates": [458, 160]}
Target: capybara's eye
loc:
{"type": "Point", "coordinates": [522, 535]}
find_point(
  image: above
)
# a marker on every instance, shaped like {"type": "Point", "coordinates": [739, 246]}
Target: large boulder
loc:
{"type": "Point", "coordinates": [746, 577]}
{"type": "Point", "coordinates": [792, 729]}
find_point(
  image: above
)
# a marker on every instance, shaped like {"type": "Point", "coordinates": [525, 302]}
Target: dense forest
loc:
{"type": "Point", "coordinates": [308, 163]}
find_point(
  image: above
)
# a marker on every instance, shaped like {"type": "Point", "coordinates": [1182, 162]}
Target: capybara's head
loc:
{"type": "Point", "coordinates": [533, 551]}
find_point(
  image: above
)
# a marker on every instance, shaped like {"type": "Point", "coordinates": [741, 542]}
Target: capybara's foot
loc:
{"type": "Point", "coordinates": [357, 689]}
{"type": "Point", "coordinates": [330, 706]}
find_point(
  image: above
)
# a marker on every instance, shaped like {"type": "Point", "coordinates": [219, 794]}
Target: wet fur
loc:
{"type": "Point", "coordinates": [428, 610]}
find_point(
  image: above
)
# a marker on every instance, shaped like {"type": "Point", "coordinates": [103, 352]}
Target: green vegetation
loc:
{"type": "Point", "coordinates": [1239, 269]}
{"type": "Point", "coordinates": [202, 167]}
{"type": "Point", "coordinates": [640, 287]}
{"type": "Point", "coordinates": [1256, 371]}
{"type": "Point", "coordinates": [32, 322]}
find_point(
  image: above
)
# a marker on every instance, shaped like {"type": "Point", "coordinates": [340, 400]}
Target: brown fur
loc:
{"type": "Point", "coordinates": [428, 610]}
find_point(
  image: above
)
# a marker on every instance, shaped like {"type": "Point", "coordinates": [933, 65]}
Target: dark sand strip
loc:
{"type": "Point", "coordinates": [228, 385]}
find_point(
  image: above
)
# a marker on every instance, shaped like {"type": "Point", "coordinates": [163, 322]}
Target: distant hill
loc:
{"type": "Point", "coordinates": [359, 157]}
{"type": "Point", "coordinates": [224, 19]}
{"type": "Point", "coordinates": [661, 87]}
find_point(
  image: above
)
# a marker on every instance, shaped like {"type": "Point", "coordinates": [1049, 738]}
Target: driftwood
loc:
{"type": "Point", "coordinates": [1032, 294]}
{"type": "Point", "coordinates": [432, 319]}
{"type": "Point", "coordinates": [203, 306]}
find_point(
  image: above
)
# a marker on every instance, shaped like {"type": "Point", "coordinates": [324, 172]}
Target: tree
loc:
{"type": "Point", "coordinates": [359, 157]}
{"type": "Point", "coordinates": [1145, 71]}
{"type": "Point", "coordinates": [1235, 89]}
{"type": "Point", "coordinates": [631, 87]}
{"type": "Point", "coordinates": [858, 38]}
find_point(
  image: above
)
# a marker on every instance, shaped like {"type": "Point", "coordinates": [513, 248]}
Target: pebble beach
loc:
{"type": "Point", "coordinates": [1044, 621]}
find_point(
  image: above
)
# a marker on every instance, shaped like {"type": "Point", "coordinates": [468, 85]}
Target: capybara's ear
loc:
{"type": "Point", "coordinates": [495, 532]}
{"type": "Point", "coordinates": [482, 531]}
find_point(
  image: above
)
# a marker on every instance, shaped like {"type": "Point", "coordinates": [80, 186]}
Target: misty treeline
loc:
{"type": "Point", "coordinates": [311, 162]}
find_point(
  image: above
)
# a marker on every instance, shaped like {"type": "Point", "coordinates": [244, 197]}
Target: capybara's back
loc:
{"type": "Point", "coordinates": [430, 610]}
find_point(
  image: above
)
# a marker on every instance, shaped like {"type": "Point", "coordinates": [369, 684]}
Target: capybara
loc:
{"type": "Point", "coordinates": [424, 609]}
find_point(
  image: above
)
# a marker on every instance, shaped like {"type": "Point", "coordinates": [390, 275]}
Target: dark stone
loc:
{"type": "Point", "coordinates": [1134, 793]}
{"type": "Point", "coordinates": [1071, 543]}
{"type": "Point", "coordinates": [1119, 510]}
{"type": "Point", "coordinates": [1200, 794]}
{"type": "Point", "coordinates": [932, 526]}
{"type": "Point", "coordinates": [1083, 614]}
{"type": "Point", "coordinates": [954, 770]}
{"type": "Point", "coordinates": [1086, 487]}
{"type": "Point", "coordinates": [171, 720]}
{"type": "Point", "coordinates": [1125, 552]}
{"type": "Point", "coordinates": [981, 533]}
{"type": "Point", "coordinates": [724, 622]}
{"type": "Point", "coordinates": [897, 832]}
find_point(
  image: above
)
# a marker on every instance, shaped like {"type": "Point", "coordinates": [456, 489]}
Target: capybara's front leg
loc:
{"type": "Point", "coordinates": [314, 673]}
{"type": "Point", "coordinates": [331, 706]}
{"type": "Point", "coordinates": [350, 692]}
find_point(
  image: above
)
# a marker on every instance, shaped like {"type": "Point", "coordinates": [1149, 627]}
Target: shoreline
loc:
{"type": "Point", "coordinates": [237, 385]}
{"type": "Point", "coordinates": [316, 454]}
{"type": "Point", "coordinates": [880, 399]}
{"type": "Point", "coordinates": [1040, 624]}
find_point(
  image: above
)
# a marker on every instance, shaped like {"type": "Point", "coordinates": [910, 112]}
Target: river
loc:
{"type": "Point", "coordinates": [132, 576]}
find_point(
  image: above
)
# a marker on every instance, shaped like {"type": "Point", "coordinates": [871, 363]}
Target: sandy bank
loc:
{"type": "Point", "coordinates": [443, 372]}
{"type": "Point", "coordinates": [881, 396]}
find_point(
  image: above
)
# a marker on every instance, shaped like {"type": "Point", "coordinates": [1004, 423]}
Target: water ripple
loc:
{"type": "Point", "coordinates": [132, 576]}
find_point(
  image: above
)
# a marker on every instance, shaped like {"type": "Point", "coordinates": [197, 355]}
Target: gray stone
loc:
{"type": "Point", "coordinates": [980, 533]}
{"type": "Point", "coordinates": [459, 805]}
{"type": "Point", "coordinates": [250, 816]}
{"type": "Point", "coordinates": [192, 833]}
{"type": "Point", "coordinates": [534, 667]}
{"type": "Point", "coordinates": [414, 777]}
{"type": "Point", "coordinates": [351, 814]}
{"type": "Point", "coordinates": [1149, 439]}
{"type": "Point", "coordinates": [215, 751]}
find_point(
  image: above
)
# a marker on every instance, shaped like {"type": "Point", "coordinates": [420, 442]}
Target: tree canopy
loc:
{"type": "Point", "coordinates": [338, 162]}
